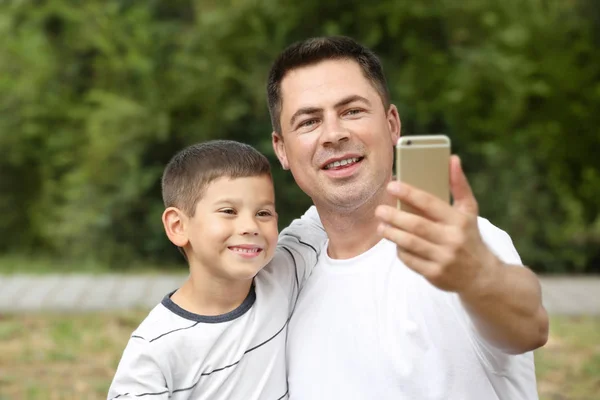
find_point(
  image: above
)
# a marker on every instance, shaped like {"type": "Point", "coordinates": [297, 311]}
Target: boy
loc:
{"type": "Point", "coordinates": [222, 334]}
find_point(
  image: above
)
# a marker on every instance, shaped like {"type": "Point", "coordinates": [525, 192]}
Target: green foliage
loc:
{"type": "Point", "coordinates": [98, 95]}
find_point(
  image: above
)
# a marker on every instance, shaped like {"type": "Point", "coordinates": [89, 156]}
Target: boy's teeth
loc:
{"type": "Point", "coordinates": [242, 250]}
{"type": "Point", "coordinates": [342, 163]}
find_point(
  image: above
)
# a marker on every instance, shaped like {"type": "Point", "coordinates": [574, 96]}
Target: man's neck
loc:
{"type": "Point", "coordinates": [352, 232]}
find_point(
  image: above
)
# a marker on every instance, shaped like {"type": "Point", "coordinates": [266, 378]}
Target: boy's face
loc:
{"type": "Point", "coordinates": [233, 233]}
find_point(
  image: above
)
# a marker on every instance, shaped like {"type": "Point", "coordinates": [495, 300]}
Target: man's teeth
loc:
{"type": "Point", "coordinates": [341, 163]}
{"type": "Point", "coordinates": [243, 250]}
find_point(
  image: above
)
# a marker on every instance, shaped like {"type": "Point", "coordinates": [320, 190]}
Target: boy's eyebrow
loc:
{"type": "Point", "coordinates": [268, 203]}
{"type": "Point", "coordinates": [313, 110]}
{"type": "Point", "coordinates": [230, 200]}
{"type": "Point", "coordinates": [227, 200]}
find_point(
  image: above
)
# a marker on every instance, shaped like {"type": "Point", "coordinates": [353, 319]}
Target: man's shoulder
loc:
{"type": "Point", "coordinates": [499, 241]}
{"type": "Point", "coordinates": [485, 225]}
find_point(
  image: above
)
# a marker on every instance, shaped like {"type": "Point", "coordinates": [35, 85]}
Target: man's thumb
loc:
{"type": "Point", "coordinates": [460, 188]}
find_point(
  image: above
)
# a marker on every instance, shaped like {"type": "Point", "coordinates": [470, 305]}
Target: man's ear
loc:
{"type": "Point", "coordinates": [279, 148]}
{"type": "Point", "coordinates": [394, 124]}
{"type": "Point", "coordinates": [174, 223]}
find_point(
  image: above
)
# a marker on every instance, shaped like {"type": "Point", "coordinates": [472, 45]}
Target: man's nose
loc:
{"type": "Point", "coordinates": [333, 132]}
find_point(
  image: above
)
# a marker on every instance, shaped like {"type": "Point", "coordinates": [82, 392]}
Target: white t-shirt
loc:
{"type": "Point", "coordinates": [175, 354]}
{"type": "Point", "coordinates": [371, 328]}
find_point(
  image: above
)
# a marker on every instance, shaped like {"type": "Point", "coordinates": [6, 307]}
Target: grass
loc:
{"type": "Point", "coordinates": [47, 357]}
{"type": "Point", "coordinates": [568, 367]}
{"type": "Point", "coordinates": [64, 357]}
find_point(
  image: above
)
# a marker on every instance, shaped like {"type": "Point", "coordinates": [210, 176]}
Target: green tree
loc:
{"type": "Point", "coordinates": [96, 96]}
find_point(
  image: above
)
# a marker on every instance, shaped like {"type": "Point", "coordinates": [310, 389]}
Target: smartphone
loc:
{"type": "Point", "coordinates": [424, 162]}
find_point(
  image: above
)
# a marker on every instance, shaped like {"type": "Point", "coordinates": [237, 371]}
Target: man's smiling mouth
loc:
{"type": "Point", "coordinates": [343, 163]}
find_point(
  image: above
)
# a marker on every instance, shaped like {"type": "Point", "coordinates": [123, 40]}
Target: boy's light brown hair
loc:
{"type": "Point", "coordinates": [190, 171]}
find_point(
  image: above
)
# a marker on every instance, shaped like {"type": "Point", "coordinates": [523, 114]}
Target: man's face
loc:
{"type": "Point", "coordinates": [336, 136]}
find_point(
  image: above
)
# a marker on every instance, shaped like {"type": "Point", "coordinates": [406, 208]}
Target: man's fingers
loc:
{"type": "Point", "coordinates": [416, 263]}
{"type": "Point", "coordinates": [414, 224]}
{"type": "Point", "coordinates": [408, 242]}
{"type": "Point", "coordinates": [428, 205]}
{"type": "Point", "coordinates": [434, 208]}
{"type": "Point", "coordinates": [464, 200]}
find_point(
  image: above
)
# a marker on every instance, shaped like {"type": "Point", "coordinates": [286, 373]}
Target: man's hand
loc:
{"type": "Point", "coordinates": [443, 243]}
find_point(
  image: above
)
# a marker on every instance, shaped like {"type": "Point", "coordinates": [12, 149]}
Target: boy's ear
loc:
{"type": "Point", "coordinates": [174, 222]}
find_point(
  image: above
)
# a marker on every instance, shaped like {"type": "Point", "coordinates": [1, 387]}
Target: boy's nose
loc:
{"type": "Point", "coordinates": [249, 227]}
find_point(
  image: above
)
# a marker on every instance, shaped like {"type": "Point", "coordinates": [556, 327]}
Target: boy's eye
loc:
{"type": "Point", "coordinates": [264, 213]}
{"type": "Point", "coordinates": [227, 211]}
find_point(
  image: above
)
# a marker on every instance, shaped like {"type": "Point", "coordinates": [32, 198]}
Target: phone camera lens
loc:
{"type": "Point", "coordinates": [409, 142]}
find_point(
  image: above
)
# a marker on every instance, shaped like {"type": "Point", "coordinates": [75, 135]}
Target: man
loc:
{"type": "Point", "coordinates": [401, 306]}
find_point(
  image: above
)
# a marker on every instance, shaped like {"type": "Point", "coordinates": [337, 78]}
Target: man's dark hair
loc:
{"type": "Point", "coordinates": [313, 51]}
{"type": "Point", "coordinates": [189, 172]}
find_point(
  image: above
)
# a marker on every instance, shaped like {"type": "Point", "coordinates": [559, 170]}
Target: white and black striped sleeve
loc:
{"type": "Point", "coordinates": [138, 375]}
{"type": "Point", "coordinates": [303, 240]}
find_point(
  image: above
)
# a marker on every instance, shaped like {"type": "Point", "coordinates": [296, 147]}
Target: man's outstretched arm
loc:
{"type": "Point", "coordinates": [444, 244]}
{"type": "Point", "coordinates": [507, 309]}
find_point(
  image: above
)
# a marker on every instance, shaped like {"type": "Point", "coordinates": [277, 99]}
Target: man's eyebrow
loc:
{"type": "Point", "coordinates": [351, 99]}
{"type": "Point", "coordinates": [304, 111]}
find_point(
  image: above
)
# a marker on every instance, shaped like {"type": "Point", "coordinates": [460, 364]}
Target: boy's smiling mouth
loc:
{"type": "Point", "coordinates": [246, 250]}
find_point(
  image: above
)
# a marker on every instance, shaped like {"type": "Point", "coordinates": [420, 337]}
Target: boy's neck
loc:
{"type": "Point", "coordinates": [208, 296]}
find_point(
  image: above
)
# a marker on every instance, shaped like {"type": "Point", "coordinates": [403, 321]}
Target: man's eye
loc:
{"type": "Point", "coordinates": [307, 123]}
{"type": "Point", "coordinates": [354, 111]}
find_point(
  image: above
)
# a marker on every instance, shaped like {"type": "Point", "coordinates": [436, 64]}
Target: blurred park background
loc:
{"type": "Point", "coordinates": [97, 95]}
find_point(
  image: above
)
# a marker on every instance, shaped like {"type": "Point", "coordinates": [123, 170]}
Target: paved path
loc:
{"type": "Point", "coordinates": [75, 293]}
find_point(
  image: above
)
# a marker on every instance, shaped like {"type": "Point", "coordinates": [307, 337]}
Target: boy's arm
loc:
{"type": "Point", "coordinates": [304, 239]}
{"type": "Point", "coordinates": [138, 374]}
{"type": "Point", "coordinates": [298, 249]}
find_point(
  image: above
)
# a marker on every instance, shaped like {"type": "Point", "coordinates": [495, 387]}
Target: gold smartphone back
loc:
{"type": "Point", "coordinates": [424, 162]}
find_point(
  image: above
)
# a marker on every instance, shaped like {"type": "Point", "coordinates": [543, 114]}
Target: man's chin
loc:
{"type": "Point", "coordinates": [347, 199]}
